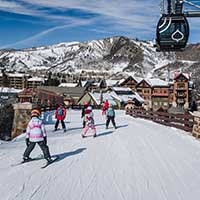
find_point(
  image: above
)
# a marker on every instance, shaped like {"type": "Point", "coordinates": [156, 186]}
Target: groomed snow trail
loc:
{"type": "Point", "coordinates": [140, 160]}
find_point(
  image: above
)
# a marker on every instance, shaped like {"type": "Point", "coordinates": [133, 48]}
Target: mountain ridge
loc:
{"type": "Point", "coordinates": [114, 55]}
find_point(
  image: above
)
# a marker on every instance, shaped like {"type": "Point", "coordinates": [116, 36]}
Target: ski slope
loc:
{"type": "Point", "coordinates": [140, 160]}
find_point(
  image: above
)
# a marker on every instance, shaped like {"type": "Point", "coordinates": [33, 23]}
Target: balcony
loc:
{"type": "Point", "coordinates": [180, 101]}
{"type": "Point", "coordinates": [183, 95]}
{"type": "Point", "coordinates": [181, 88]}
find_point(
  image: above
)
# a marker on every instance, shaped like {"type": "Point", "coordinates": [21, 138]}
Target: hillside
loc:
{"type": "Point", "coordinates": [117, 56]}
{"type": "Point", "coordinates": [140, 160]}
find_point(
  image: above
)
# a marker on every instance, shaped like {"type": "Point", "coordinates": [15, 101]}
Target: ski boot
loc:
{"type": "Point", "coordinates": [49, 160]}
{"type": "Point", "coordinates": [26, 159]}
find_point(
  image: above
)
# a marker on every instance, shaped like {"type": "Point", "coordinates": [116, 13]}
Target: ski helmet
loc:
{"type": "Point", "coordinates": [35, 113]}
{"type": "Point", "coordinates": [86, 103]}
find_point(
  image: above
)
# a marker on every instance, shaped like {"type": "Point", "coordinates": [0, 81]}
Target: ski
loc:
{"type": "Point", "coordinates": [49, 163]}
{"type": "Point", "coordinates": [29, 160]}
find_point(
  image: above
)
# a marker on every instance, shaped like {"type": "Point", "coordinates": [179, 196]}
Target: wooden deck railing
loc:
{"type": "Point", "coordinates": [180, 121]}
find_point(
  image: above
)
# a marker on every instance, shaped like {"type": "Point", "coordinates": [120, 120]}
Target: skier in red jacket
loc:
{"type": "Point", "coordinates": [105, 107]}
{"type": "Point", "coordinates": [60, 116]}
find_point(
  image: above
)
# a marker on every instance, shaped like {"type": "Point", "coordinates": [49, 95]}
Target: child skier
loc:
{"type": "Point", "coordinates": [105, 107]}
{"type": "Point", "coordinates": [110, 114]}
{"type": "Point", "coordinates": [86, 104]}
{"type": "Point", "coordinates": [60, 116]}
{"type": "Point", "coordinates": [89, 122]}
{"type": "Point", "coordinates": [36, 134]}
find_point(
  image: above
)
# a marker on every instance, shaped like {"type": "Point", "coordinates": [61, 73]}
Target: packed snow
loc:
{"type": "Point", "coordinates": [138, 161]}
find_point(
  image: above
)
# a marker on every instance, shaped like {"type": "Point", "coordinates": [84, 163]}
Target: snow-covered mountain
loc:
{"type": "Point", "coordinates": [115, 55]}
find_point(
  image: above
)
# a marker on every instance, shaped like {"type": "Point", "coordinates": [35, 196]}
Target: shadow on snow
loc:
{"type": "Point", "coordinates": [104, 133]}
{"type": "Point", "coordinates": [68, 154]}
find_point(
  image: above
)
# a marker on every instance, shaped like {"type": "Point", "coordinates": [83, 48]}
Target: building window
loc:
{"type": "Point", "coordinates": [181, 85]}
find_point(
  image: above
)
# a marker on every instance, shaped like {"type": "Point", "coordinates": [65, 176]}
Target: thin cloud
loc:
{"type": "Point", "coordinates": [32, 10]}
{"type": "Point", "coordinates": [42, 34]}
{"type": "Point", "coordinates": [115, 16]}
{"type": "Point", "coordinates": [112, 8]}
{"type": "Point", "coordinates": [131, 12]}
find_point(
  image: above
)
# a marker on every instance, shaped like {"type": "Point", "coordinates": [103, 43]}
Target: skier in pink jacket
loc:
{"type": "Point", "coordinates": [36, 134]}
{"type": "Point", "coordinates": [89, 122]}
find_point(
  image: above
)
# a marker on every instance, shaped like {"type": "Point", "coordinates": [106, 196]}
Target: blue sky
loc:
{"type": "Point", "coordinates": [27, 23]}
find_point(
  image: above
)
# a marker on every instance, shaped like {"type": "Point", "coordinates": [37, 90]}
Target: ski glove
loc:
{"type": "Point", "coordinates": [27, 142]}
{"type": "Point", "coordinates": [45, 140]}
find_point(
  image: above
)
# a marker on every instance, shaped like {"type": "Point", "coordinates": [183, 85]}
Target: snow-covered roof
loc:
{"type": "Point", "coordinates": [138, 79]}
{"type": "Point", "coordinates": [121, 89]}
{"type": "Point", "coordinates": [68, 85]}
{"type": "Point", "coordinates": [125, 98]}
{"type": "Point", "coordinates": [177, 74]}
{"type": "Point", "coordinates": [105, 96]}
{"type": "Point", "coordinates": [36, 79]}
{"type": "Point", "coordinates": [83, 83]}
{"type": "Point", "coordinates": [9, 90]}
{"type": "Point", "coordinates": [121, 81]}
{"type": "Point", "coordinates": [13, 75]}
{"type": "Point", "coordinates": [111, 83]}
{"type": "Point", "coordinates": [16, 75]}
{"type": "Point", "coordinates": [156, 82]}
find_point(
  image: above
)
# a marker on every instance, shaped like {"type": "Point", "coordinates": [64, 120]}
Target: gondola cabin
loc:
{"type": "Point", "coordinates": [172, 32]}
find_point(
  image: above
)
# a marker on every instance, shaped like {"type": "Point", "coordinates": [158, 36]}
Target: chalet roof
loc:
{"type": "Point", "coordinates": [68, 85]}
{"type": "Point", "coordinates": [65, 91]}
{"type": "Point", "coordinates": [83, 83]}
{"type": "Point", "coordinates": [121, 89]}
{"type": "Point", "coordinates": [178, 74]}
{"type": "Point", "coordinates": [137, 79]}
{"type": "Point", "coordinates": [36, 79]}
{"type": "Point", "coordinates": [155, 82]}
{"type": "Point", "coordinates": [105, 96]}
{"type": "Point", "coordinates": [126, 96]}
{"type": "Point", "coordinates": [19, 75]}
{"type": "Point", "coordinates": [121, 81]}
{"type": "Point", "coordinates": [111, 83]}
{"type": "Point", "coordinates": [9, 90]}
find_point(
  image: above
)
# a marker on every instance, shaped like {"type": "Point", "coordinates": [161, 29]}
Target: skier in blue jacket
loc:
{"type": "Point", "coordinates": [110, 115]}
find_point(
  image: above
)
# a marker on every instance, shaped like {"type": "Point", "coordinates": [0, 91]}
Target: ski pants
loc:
{"type": "Point", "coordinates": [62, 122]}
{"type": "Point", "coordinates": [103, 112]}
{"type": "Point", "coordinates": [43, 147]}
{"type": "Point", "coordinates": [84, 123]}
{"type": "Point", "coordinates": [112, 119]}
{"type": "Point", "coordinates": [85, 130]}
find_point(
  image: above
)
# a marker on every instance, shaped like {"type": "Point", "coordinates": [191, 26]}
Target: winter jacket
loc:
{"type": "Point", "coordinates": [105, 106]}
{"type": "Point", "coordinates": [35, 130]}
{"type": "Point", "coordinates": [60, 113]}
{"type": "Point", "coordinates": [110, 112]}
{"type": "Point", "coordinates": [89, 118]}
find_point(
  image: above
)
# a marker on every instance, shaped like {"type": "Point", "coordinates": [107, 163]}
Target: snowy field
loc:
{"type": "Point", "coordinates": [140, 160]}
